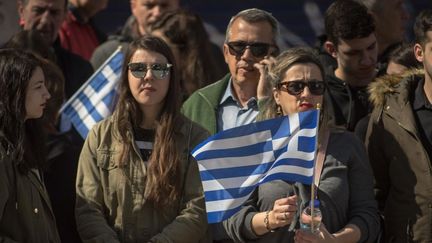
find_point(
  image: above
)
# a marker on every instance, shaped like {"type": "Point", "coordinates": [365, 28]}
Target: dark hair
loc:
{"type": "Point", "coordinates": [422, 25]}
{"type": "Point", "coordinates": [163, 175]}
{"type": "Point", "coordinates": [276, 72]}
{"type": "Point", "coordinates": [403, 54]}
{"type": "Point", "coordinates": [55, 83]}
{"type": "Point", "coordinates": [185, 31]}
{"type": "Point", "coordinates": [31, 40]}
{"type": "Point", "coordinates": [347, 20]}
{"type": "Point", "coordinates": [18, 137]}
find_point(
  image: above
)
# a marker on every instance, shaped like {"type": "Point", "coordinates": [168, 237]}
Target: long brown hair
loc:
{"type": "Point", "coordinates": [163, 174]}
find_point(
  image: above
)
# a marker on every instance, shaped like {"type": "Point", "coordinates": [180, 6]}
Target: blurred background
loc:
{"type": "Point", "coordinates": [301, 21]}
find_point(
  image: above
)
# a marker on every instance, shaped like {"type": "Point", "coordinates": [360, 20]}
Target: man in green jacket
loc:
{"type": "Point", "coordinates": [233, 101]}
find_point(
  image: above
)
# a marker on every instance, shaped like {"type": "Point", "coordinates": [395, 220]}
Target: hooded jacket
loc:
{"type": "Point", "coordinates": [402, 167]}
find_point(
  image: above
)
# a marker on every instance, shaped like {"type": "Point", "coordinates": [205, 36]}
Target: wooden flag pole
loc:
{"type": "Point", "coordinates": [313, 187]}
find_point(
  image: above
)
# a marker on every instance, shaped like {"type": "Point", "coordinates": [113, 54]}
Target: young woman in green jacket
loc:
{"type": "Point", "coordinates": [136, 181]}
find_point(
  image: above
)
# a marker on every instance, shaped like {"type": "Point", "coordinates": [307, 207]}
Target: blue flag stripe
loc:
{"type": "Point", "coordinates": [96, 98]}
{"type": "Point", "coordinates": [234, 162]}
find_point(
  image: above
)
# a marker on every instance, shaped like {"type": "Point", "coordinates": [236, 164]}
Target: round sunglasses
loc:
{"type": "Point", "coordinates": [258, 49]}
{"type": "Point", "coordinates": [158, 70]}
{"type": "Point", "coordinates": [296, 87]}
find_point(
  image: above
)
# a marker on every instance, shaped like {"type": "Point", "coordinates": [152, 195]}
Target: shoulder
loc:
{"type": "Point", "coordinates": [390, 85]}
{"type": "Point", "coordinates": [211, 93]}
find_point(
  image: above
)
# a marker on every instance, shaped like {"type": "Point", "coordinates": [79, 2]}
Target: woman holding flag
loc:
{"type": "Point", "coordinates": [136, 181]}
{"type": "Point", "coordinates": [345, 183]}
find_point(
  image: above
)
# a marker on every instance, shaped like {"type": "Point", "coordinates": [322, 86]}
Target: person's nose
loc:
{"type": "Point", "coordinates": [367, 58]}
{"type": "Point", "coordinates": [47, 95]}
{"type": "Point", "coordinates": [148, 75]}
{"type": "Point", "coordinates": [45, 18]}
{"type": "Point", "coordinates": [157, 11]}
{"type": "Point", "coordinates": [247, 54]}
{"type": "Point", "coordinates": [306, 92]}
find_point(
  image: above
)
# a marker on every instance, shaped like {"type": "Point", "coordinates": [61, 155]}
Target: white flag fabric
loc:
{"type": "Point", "coordinates": [234, 162]}
{"type": "Point", "coordinates": [95, 100]}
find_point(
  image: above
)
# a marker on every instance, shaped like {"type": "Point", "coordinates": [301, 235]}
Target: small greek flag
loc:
{"type": "Point", "coordinates": [234, 162]}
{"type": "Point", "coordinates": [95, 100]}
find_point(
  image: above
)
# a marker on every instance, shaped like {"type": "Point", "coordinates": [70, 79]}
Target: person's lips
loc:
{"type": "Point", "coordinates": [306, 106]}
{"type": "Point", "coordinates": [148, 89]}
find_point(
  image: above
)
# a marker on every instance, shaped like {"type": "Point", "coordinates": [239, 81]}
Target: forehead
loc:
{"type": "Point", "coordinates": [251, 32]}
{"type": "Point", "coordinates": [147, 56]}
{"type": "Point", "coordinates": [303, 71]}
{"type": "Point", "coordinates": [172, 3]}
{"type": "Point", "coordinates": [356, 43]}
{"type": "Point", "coordinates": [57, 4]}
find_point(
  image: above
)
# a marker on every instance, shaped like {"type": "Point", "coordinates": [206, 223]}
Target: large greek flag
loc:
{"type": "Point", "coordinates": [95, 100]}
{"type": "Point", "coordinates": [234, 162]}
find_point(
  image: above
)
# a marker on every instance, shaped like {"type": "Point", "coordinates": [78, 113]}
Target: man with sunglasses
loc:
{"type": "Point", "coordinates": [250, 42]}
{"type": "Point", "coordinates": [351, 41]}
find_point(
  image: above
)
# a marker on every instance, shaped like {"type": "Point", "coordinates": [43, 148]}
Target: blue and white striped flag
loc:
{"type": "Point", "coordinates": [95, 100]}
{"type": "Point", "coordinates": [234, 162]}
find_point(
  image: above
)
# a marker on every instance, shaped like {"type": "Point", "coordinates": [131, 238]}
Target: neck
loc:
{"type": "Point", "coordinates": [151, 115]}
{"type": "Point", "coordinates": [428, 87]}
{"type": "Point", "coordinates": [243, 92]}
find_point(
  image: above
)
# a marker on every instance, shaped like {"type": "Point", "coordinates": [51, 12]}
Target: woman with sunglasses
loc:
{"type": "Point", "coordinates": [349, 211]}
{"type": "Point", "coordinates": [136, 181]}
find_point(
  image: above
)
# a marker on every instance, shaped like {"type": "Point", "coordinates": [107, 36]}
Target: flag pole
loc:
{"type": "Point", "coordinates": [89, 79]}
{"type": "Point", "coordinates": [313, 188]}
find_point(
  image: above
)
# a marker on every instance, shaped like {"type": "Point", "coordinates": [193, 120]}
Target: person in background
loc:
{"type": "Point", "coordinates": [402, 58]}
{"type": "Point", "coordinates": [78, 33]}
{"type": "Point", "coordinates": [144, 13]}
{"type": "Point", "coordinates": [184, 32]}
{"type": "Point", "coordinates": [137, 181]}
{"type": "Point", "coordinates": [46, 16]}
{"type": "Point", "coordinates": [345, 191]}
{"type": "Point", "coordinates": [391, 17]}
{"type": "Point", "coordinates": [25, 209]}
{"type": "Point", "coordinates": [351, 41]}
{"type": "Point", "coordinates": [399, 144]}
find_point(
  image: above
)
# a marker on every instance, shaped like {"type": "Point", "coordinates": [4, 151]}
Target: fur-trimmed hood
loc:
{"type": "Point", "coordinates": [389, 84]}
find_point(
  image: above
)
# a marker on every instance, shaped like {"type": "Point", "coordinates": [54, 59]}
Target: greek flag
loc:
{"type": "Point", "coordinates": [95, 100]}
{"type": "Point", "coordinates": [234, 162]}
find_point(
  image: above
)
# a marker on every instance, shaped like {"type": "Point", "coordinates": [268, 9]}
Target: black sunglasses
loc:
{"type": "Point", "coordinates": [296, 87]}
{"type": "Point", "coordinates": [158, 70]}
{"type": "Point", "coordinates": [258, 49]}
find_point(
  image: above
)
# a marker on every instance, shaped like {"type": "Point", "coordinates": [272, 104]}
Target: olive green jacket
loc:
{"type": "Point", "coordinates": [25, 209]}
{"type": "Point", "coordinates": [111, 203]}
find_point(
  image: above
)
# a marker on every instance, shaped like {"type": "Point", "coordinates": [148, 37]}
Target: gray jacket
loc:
{"type": "Point", "coordinates": [345, 192]}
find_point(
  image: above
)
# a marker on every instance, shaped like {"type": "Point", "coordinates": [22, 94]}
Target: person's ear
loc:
{"type": "Point", "coordinates": [276, 95]}
{"type": "Point", "coordinates": [418, 52]}
{"type": "Point", "coordinates": [331, 49]}
{"type": "Point", "coordinates": [226, 52]}
{"type": "Point", "coordinates": [20, 6]}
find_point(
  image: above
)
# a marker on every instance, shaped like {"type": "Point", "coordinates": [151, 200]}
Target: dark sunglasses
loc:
{"type": "Point", "coordinates": [296, 87]}
{"type": "Point", "coordinates": [158, 70]}
{"type": "Point", "coordinates": [259, 50]}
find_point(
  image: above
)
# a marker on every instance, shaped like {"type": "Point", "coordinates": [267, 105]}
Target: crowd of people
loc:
{"type": "Point", "coordinates": [133, 178]}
